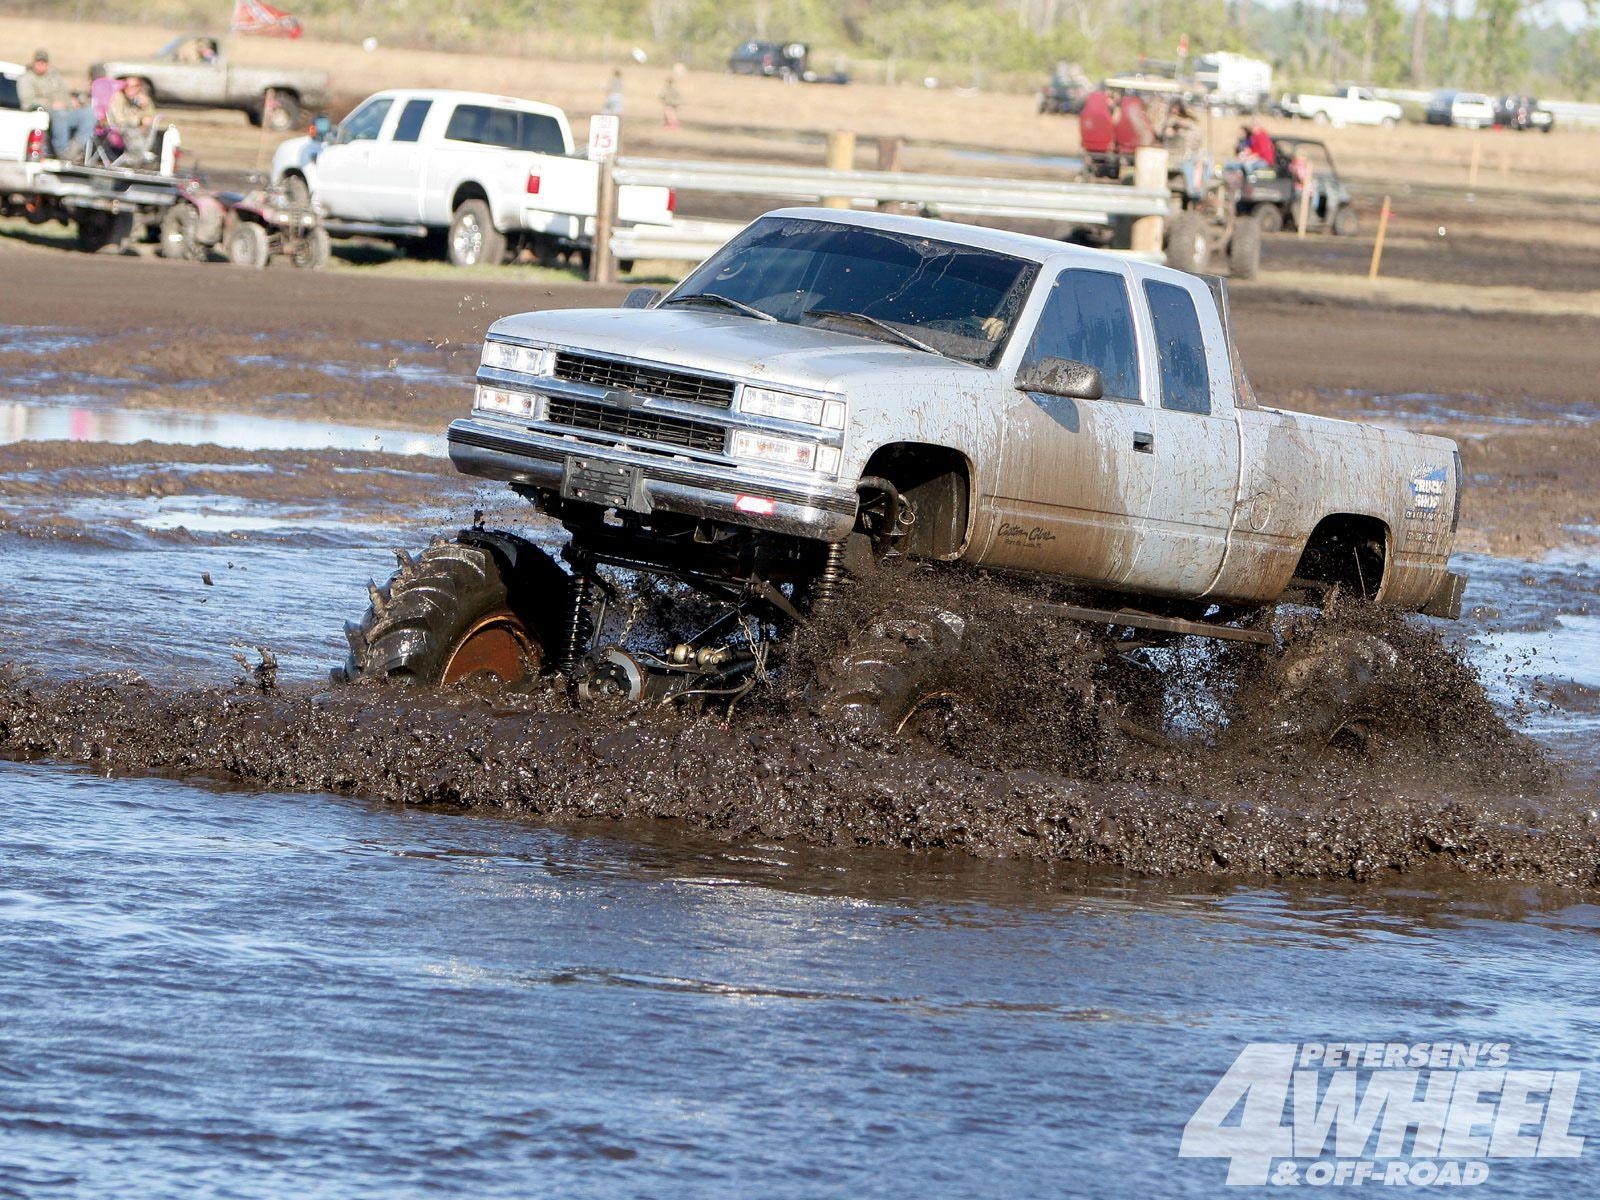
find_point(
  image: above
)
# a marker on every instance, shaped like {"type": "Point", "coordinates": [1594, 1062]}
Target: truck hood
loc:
{"type": "Point", "coordinates": [742, 347]}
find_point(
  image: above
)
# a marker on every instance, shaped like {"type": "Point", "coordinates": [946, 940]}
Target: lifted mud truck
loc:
{"type": "Point", "coordinates": [831, 386]}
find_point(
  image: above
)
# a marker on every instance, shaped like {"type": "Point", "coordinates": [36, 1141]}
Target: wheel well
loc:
{"type": "Point", "coordinates": [1346, 550]}
{"type": "Point", "coordinates": [468, 191]}
{"type": "Point", "coordinates": [935, 483]}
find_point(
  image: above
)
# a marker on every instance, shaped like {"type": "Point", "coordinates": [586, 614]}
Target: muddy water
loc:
{"type": "Point", "coordinates": [709, 962]}
{"type": "Point", "coordinates": [259, 994]}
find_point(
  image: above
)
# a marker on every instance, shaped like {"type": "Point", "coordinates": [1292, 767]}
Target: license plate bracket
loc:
{"type": "Point", "coordinates": [607, 484]}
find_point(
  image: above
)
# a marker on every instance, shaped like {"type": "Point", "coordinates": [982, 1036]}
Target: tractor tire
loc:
{"type": "Point", "coordinates": [474, 241]}
{"type": "Point", "coordinates": [1325, 685]}
{"type": "Point", "coordinates": [249, 246]}
{"type": "Point", "coordinates": [486, 605]}
{"type": "Point", "coordinates": [888, 671]}
{"type": "Point", "coordinates": [180, 234]}
{"type": "Point", "coordinates": [1188, 247]}
{"type": "Point", "coordinates": [1244, 249]}
{"type": "Point", "coordinates": [1269, 217]}
{"type": "Point", "coordinates": [1345, 222]}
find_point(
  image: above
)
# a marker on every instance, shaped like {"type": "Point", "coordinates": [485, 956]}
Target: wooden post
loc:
{"type": "Point", "coordinates": [1149, 175]}
{"type": "Point", "coordinates": [601, 265]}
{"type": "Point", "coordinates": [841, 157]}
{"type": "Point", "coordinates": [889, 160]}
{"type": "Point", "coordinates": [1303, 217]}
{"type": "Point", "coordinates": [1377, 245]}
{"type": "Point", "coordinates": [1472, 163]}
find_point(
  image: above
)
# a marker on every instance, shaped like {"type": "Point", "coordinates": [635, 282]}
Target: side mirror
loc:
{"type": "Point", "coordinates": [642, 297]}
{"type": "Point", "coordinates": [1062, 377]}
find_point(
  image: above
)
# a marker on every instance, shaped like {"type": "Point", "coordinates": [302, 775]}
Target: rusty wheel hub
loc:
{"type": "Point", "coordinates": [498, 646]}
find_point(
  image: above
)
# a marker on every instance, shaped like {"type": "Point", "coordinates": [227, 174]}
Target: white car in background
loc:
{"type": "Point", "coordinates": [1468, 110]}
{"type": "Point", "coordinates": [483, 173]}
{"type": "Point", "coordinates": [23, 135]}
{"type": "Point", "coordinates": [1343, 106]}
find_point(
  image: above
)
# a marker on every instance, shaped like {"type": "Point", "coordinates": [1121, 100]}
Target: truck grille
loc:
{"type": "Point", "coordinates": [636, 423]}
{"type": "Point", "coordinates": [645, 381]}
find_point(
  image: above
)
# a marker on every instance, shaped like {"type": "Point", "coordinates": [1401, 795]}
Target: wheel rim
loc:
{"type": "Point", "coordinates": [469, 238]}
{"type": "Point", "coordinates": [497, 646]}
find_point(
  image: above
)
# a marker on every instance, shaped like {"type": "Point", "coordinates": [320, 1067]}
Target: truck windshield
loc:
{"type": "Point", "coordinates": [950, 299]}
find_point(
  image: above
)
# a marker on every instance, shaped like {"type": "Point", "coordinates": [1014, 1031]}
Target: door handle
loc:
{"type": "Point", "coordinates": [1144, 443]}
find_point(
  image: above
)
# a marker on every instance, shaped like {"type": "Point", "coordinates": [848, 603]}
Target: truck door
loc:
{"type": "Point", "coordinates": [1073, 477]}
{"type": "Point", "coordinates": [395, 167]}
{"type": "Point", "coordinates": [1194, 445]}
{"type": "Point", "coordinates": [343, 185]}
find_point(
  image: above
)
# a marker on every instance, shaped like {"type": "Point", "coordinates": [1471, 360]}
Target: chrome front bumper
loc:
{"type": "Point", "coordinates": [648, 481]}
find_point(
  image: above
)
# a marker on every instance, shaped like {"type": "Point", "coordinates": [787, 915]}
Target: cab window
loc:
{"type": "Point", "coordinates": [1088, 319]}
{"type": "Point", "coordinates": [409, 127]}
{"type": "Point", "coordinates": [1180, 350]}
{"type": "Point", "coordinates": [363, 124]}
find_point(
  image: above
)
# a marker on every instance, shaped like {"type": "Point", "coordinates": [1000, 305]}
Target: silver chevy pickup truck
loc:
{"type": "Point", "coordinates": [831, 386]}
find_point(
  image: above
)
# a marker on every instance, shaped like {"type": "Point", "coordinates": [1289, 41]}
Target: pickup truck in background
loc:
{"type": "Point", "coordinates": [194, 72]}
{"type": "Point", "coordinates": [481, 173]}
{"type": "Point", "coordinates": [24, 136]}
{"type": "Point", "coordinates": [832, 386]}
{"type": "Point", "coordinates": [1345, 106]}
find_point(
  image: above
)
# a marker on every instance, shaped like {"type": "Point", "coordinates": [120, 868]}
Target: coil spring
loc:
{"type": "Point", "coordinates": [580, 628]}
{"type": "Point", "coordinates": [827, 583]}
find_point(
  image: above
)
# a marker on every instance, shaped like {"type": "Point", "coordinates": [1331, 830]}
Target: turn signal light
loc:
{"type": "Point", "coordinates": [35, 145]}
{"type": "Point", "coordinates": [533, 184]}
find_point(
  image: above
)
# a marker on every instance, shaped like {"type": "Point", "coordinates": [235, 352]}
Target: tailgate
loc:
{"type": "Point", "coordinates": [15, 128]}
{"type": "Point", "coordinates": [642, 204]}
{"type": "Point", "coordinates": [570, 187]}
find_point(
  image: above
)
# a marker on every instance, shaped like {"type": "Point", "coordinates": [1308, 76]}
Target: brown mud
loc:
{"type": "Point", "coordinates": [1029, 760]}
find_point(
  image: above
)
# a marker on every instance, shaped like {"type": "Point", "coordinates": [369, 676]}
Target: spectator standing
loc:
{"type": "Point", "coordinates": [71, 118]}
{"type": "Point", "coordinates": [613, 104]}
{"type": "Point", "coordinates": [670, 100]}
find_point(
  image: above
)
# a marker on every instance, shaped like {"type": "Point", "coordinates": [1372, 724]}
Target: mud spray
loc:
{"type": "Point", "coordinates": [1043, 739]}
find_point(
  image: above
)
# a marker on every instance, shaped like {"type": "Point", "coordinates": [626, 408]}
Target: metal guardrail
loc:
{"type": "Point", "coordinates": [685, 240]}
{"type": "Point", "coordinates": [1077, 203]}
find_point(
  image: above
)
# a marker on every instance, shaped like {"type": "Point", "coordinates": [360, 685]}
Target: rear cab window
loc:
{"type": "Point", "coordinates": [1180, 348]}
{"type": "Point", "coordinates": [1088, 319]}
{"type": "Point", "coordinates": [507, 128]}
{"type": "Point", "coordinates": [409, 127]}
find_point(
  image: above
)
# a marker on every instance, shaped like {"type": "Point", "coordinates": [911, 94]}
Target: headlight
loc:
{"type": "Point", "coordinates": [498, 400]}
{"type": "Point", "coordinates": [786, 406]}
{"type": "Point", "coordinates": [526, 360]}
{"type": "Point", "coordinates": [803, 456]}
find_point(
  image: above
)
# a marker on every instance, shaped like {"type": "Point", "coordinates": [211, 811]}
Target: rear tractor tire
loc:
{"type": "Point", "coordinates": [487, 605]}
{"type": "Point", "coordinates": [889, 671]}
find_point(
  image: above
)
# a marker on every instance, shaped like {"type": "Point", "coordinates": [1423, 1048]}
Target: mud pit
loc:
{"type": "Point", "coordinates": [166, 559]}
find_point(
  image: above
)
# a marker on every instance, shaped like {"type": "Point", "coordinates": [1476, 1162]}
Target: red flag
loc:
{"type": "Point", "coordinates": [253, 16]}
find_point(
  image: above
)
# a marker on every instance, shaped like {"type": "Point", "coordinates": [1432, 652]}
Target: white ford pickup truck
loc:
{"type": "Point", "coordinates": [483, 172]}
{"type": "Point", "coordinates": [831, 386]}
{"type": "Point", "coordinates": [1344, 106]}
